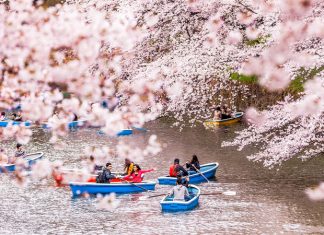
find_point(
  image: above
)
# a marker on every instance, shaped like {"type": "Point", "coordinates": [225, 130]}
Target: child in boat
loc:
{"type": "Point", "coordinates": [137, 175]}
{"type": "Point", "coordinates": [177, 170]}
{"type": "Point", "coordinates": [218, 114]}
{"type": "Point", "coordinates": [179, 192]}
{"type": "Point", "coordinates": [193, 165]}
{"type": "Point", "coordinates": [129, 167]}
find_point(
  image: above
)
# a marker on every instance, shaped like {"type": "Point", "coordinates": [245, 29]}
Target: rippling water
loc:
{"type": "Point", "coordinates": [267, 201]}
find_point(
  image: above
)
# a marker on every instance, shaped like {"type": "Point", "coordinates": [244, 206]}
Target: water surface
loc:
{"type": "Point", "coordinates": [267, 201]}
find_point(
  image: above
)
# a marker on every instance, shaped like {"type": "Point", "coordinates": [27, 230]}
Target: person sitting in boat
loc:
{"type": "Point", "coordinates": [128, 167]}
{"type": "Point", "coordinates": [3, 157]}
{"type": "Point", "coordinates": [75, 118]}
{"type": "Point", "coordinates": [193, 165]}
{"type": "Point", "coordinates": [94, 168]}
{"type": "Point", "coordinates": [218, 113]}
{"type": "Point", "coordinates": [17, 117]}
{"type": "Point", "coordinates": [179, 192]}
{"type": "Point", "coordinates": [177, 170]}
{"type": "Point", "coordinates": [226, 113]}
{"type": "Point", "coordinates": [137, 175]}
{"type": "Point", "coordinates": [20, 153]}
{"type": "Point", "coordinates": [105, 176]}
{"type": "Point", "coordinates": [3, 116]}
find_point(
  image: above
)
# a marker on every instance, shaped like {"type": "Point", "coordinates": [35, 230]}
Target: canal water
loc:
{"type": "Point", "coordinates": [266, 201]}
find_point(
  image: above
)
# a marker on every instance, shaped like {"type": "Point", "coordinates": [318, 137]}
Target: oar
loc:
{"type": "Point", "coordinates": [200, 173]}
{"type": "Point", "coordinates": [227, 193]}
{"type": "Point", "coordinates": [136, 185]}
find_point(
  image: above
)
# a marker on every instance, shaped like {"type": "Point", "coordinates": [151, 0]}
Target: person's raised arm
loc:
{"type": "Point", "coordinates": [146, 171]}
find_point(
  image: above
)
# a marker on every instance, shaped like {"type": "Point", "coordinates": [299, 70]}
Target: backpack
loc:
{"type": "Point", "coordinates": [100, 177]}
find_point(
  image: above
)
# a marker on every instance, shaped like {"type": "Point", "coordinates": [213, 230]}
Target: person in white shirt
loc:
{"type": "Point", "coordinates": [179, 192]}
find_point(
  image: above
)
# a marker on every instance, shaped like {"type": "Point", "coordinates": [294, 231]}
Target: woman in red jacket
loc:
{"type": "Point", "coordinates": [136, 176]}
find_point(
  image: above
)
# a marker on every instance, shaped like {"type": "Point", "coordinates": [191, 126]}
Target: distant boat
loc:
{"type": "Point", "coordinates": [14, 123]}
{"type": "Point", "coordinates": [78, 188]}
{"type": "Point", "coordinates": [126, 132]}
{"type": "Point", "coordinates": [30, 158]}
{"type": "Point", "coordinates": [223, 122]}
{"type": "Point", "coordinates": [168, 205]}
{"type": "Point", "coordinates": [70, 125]}
{"type": "Point", "coordinates": [208, 170]}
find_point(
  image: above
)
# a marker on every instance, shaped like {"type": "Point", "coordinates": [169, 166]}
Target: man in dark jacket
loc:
{"type": "Point", "coordinates": [105, 176]}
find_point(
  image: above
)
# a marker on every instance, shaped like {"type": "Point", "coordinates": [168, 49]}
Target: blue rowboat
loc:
{"type": "Point", "coordinates": [30, 159]}
{"type": "Point", "coordinates": [208, 170]}
{"type": "Point", "coordinates": [78, 188]}
{"type": "Point", "coordinates": [71, 125]}
{"type": "Point", "coordinates": [126, 132]}
{"type": "Point", "coordinates": [14, 123]}
{"type": "Point", "coordinates": [168, 205]}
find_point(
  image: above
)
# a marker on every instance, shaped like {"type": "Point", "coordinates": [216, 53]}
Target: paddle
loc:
{"type": "Point", "coordinates": [136, 185]}
{"type": "Point", "coordinates": [200, 173]}
{"type": "Point", "coordinates": [227, 193]}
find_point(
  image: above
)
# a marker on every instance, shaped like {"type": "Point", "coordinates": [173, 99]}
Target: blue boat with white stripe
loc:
{"type": "Point", "coordinates": [208, 170]}
{"type": "Point", "coordinates": [168, 205]}
{"type": "Point", "coordinates": [30, 159]}
{"type": "Point", "coordinates": [79, 188]}
{"type": "Point", "coordinates": [14, 123]}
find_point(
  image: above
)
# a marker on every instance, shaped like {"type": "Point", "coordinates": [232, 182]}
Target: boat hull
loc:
{"type": "Point", "coordinates": [14, 123]}
{"type": "Point", "coordinates": [79, 188]}
{"type": "Point", "coordinates": [126, 132]}
{"type": "Point", "coordinates": [168, 205]}
{"type": "Point", "coordinates": [212, 123]}
{"type": "Point", "coordinates": [208, 170]}
{"type": "Point", "coordinates": [30, 158]}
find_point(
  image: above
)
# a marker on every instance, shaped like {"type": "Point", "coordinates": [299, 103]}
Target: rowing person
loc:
{"type": "Point", "coordinates": [193, 165]}
{"type": "Point", "coordinates": [179, 192]}
{"type": "Point", "coordinates": [137, 175]}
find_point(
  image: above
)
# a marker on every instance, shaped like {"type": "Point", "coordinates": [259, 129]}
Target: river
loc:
{"type": "Point", "coordinates": [267, 201]}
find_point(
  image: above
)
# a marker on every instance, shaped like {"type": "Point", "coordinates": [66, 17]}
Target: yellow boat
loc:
{"type": "Point", "coordinates": [236, 118]}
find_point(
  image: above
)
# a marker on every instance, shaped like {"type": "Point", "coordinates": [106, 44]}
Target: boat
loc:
{"type": "Point", "coordinates": [30, 159]}
{"type": "Point", "coordinates": [168, 205]}
{"type": "Point", "coordinates": [79, 188]}
{"type": "Point", "coordinates": [208, 170]}
{"type": "Point", "coordinates": [236, 118]}
{"type": "Point", "coordinates": [71, 125]}
{"type": "Point", "coordinates": [126, 132]}
{"type": "Point", "coordinates": [14, 123]}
